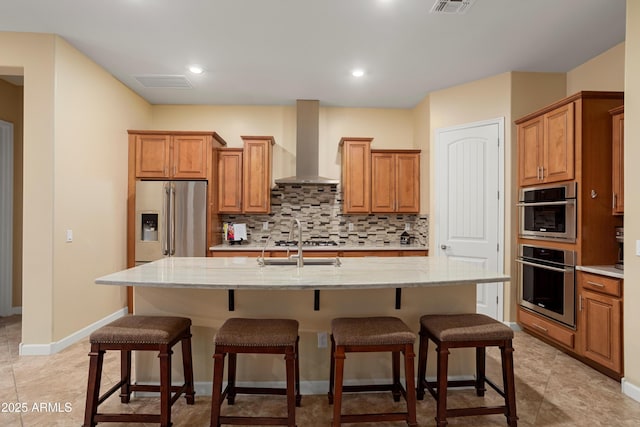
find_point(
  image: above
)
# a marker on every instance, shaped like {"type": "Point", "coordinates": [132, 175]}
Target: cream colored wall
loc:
{"type": "Point", "coordinates": [422, 139]}
{"type": "Point", "coordinates": [11, 107]}
{"type": "Point", "coordinates": [632, 197]}
{"type": "Point", "coordinates": [92, 114]}
{"type": "Point", "coordinates": [34, 53]}
{"type": "Point", "coordinates": [390, 128]}
{"type": "Point", "coordinates": [605, 72]}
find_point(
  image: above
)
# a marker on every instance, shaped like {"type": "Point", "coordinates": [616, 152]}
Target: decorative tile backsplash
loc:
{"type": "Point", "coordinates": [319, 209]}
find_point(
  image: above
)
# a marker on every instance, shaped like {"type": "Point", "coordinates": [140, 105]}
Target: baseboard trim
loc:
{"type": "Point", "coordinates": [630, 389]}
{"type": "Point", "coordinates": [16, 310]}
{"type": "Point", "coordinates": [514, 326]}
{"type": "Point", "coordinates": [55, 347]}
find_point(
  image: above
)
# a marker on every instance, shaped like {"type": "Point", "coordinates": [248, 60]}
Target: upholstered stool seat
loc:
{"type": "Point", "coordinates": [255, 336]}
{"type": "Point", "coordinates": [134, 333]}
{"type": "Point", "coordinates": [466, 330]}
{"type": "Point", "coordinates": [372, 334]}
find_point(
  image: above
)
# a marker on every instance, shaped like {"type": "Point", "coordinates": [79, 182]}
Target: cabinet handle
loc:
{"type": "Point", "coordinates": [542, 172]}
{"type": "Point", "coordinates": [600, 285]}
{"type": "Point", "coordinates": [580, 303]}
{"type": "Point", "coordinates": [545, 330]}
{"type": "Point", "coordinates": [165, 171]}
{"type": "Point", "coordinates": [615, 200]}
{"type": "Point", "coordinates": [538, 173]}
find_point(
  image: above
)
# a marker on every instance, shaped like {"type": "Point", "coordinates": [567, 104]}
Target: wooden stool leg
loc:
{"type": "Point", "coordinates": [395, 366]}
{"type": "Point", "coordinates": [290, 359]}
{"type": "Point", "coordinates": [480, 370]}
{"type": "Point", "coordinates": [409, 358]}
{"type": "Point", "coordinates": [216, 401]}
{"type": "Point", "coordinates": [165, 386]}
{"type": "Point", "coordinates": [96, 357]}
{"type": "Point", "coordinates": [332, 370]}
{"type": "Point", "coordinates": [509, 383]}
{"type": "Point", "coordinates": [443, 367]}
{"type": "Point", "coordinates": [298, 395]}
{"type": "Point", "coordinates": [187, 366]}
{"type": "Point", "coordinates": [422, 364]}
{"type": "Point", "coordinates": [339, 378]}
{"type": "Point", "coordinates": [231, 379]}
{"type": "Point", "coordinates": [125, 374]}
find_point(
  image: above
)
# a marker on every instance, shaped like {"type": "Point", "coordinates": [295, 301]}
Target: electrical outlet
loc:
{"type": "Point", "coordinates": [350, 226]}
{"type": "Point", "coordinates": [322, 339]}
{"type": "Point", "coordinates": [407, 227]}
{"type": "Point", "coordinates": [265, 225]}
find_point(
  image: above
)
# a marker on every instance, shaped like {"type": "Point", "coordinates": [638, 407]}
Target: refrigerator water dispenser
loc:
{"type": "Point", "coordinates": [149, 227]}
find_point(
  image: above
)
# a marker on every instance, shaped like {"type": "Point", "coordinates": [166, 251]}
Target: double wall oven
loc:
{"type": "Point", "coordinates": [547, 282]}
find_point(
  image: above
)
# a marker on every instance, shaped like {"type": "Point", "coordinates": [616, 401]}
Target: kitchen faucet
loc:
{"type": "Point", "coordinates": [294, 222]}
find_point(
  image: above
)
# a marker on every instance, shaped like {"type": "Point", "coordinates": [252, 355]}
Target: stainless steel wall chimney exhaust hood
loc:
{"type": "Point", "coordinates": [307, 146]}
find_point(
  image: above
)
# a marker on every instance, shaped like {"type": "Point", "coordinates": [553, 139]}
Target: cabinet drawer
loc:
{"type": "Point", "coordinates": [603, 284]}
{"type": "Point", "coordinates": [547, 328]}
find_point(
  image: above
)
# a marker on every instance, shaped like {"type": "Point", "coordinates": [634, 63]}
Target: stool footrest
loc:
{"type": "Point", "coordinates": [480, 410]}
{"type": "Point", "coordinates": [260, 390]}
{"type": "Point", "coordinates": [371, 387]}
{"type": "Point", "coordinates": [129, 418]}
{"type": "Point", "coordinates": [109, 392]}
{"type": "Point", "coordinates": [255, 421]}
{"type": "Point", "coordinates": [374, 418]}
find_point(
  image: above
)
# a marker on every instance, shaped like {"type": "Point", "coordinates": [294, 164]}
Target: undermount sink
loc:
{"type": "Point", "coordinates": [293, 261]}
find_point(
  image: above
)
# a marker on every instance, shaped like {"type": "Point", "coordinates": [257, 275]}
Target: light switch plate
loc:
{"type": "Point", "coordinates": [638, 247]}
{"type": "Point", "coordinates": [322, 339]}
{"type": "Point", "coordinates": [69, 235]}
{"type": "Point", "coordinates": [265, 225]}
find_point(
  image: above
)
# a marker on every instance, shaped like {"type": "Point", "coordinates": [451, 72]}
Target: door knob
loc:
{"type": "Point", "coordinates": [443, 247]}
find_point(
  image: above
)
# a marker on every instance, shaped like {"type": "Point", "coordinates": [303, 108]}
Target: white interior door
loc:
{"type": "Point", "coordinates": [6, 218]}
{"type": "Point", "coordinates": [469, 185]}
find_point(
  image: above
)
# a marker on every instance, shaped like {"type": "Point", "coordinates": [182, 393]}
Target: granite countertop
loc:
{"type": "Point", "coordinates": [354, 273]}
{"type": "Point", "coordinates": [604, 270]}
{"type": "Point", "coordinates": [257, 247]}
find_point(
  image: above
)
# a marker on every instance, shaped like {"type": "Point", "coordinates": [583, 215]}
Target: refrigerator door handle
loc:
{"type": "Point", "coordinates": [165, 215]}
{"type": "Point", "coordinates": [172, 226]}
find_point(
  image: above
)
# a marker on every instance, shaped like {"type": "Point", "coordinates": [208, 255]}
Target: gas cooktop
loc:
{"type": "Point", "coordinates": [306, 243]}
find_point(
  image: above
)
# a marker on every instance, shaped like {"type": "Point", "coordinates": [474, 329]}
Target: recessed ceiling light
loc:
{"type": "Point", "coordinates": [357, 73]}
{"type": "Point", "coordinates": [196, 69]}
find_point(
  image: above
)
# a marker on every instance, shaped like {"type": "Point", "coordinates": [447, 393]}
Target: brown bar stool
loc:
{"type": "Point", "coordinates": [466, 330]}
{"type": "Point", "coordinates": [372, 334]}
{"type": "Point", "coordinates": [255, 336]}
{"type": "Point", "coordinates": [148, 333]}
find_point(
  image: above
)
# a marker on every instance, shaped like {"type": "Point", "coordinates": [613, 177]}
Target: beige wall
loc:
{"type": "Point", "coordinates": [75, 121]}
{"type": "Point", "coordinates": [605, 72]}
{"type": "Point", "coordinates": [11, 111]}
{"type": "Point", "coordinates": [632, 196]}
{"type": "Point", "coordinates": [422, 141]}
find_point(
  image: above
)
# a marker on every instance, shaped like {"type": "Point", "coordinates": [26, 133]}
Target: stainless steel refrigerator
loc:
{"type": "Point", "coordinates": [171, 219]}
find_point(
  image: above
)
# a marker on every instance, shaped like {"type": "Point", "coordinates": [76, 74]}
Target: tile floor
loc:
{"type": "Point", "coordinates": [552, 390]}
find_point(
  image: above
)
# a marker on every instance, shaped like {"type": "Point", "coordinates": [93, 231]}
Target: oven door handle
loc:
{"type": "Point", "coordinates": [546, 267]}
{"type": "Point", "coordinates": [562, 202]}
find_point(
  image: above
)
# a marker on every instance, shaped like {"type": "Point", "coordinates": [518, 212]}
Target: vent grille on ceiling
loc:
{"type": "Point", "coordinates": [451, 6]}
{"type": "Point", "coordinates": [164, 81]}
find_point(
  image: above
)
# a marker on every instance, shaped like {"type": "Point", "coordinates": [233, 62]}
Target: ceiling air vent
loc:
{"type": "Point", "coordinates": [451, 6]}
{"type": "Point", "coordinates": [164, 81]}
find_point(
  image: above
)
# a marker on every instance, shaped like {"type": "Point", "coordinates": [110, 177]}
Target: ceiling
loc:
{"type": "Point", "coordinates": [272, 52]}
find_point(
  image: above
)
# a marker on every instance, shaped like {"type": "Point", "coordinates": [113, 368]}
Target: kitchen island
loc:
{"type": "Point", "coordinates": [197, 288]}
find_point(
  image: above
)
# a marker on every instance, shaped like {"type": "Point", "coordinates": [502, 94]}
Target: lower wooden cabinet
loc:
{"type": "Point", "coordinates": [600, 320]}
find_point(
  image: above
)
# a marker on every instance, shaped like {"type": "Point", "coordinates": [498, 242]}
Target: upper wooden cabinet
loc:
{"type": "Point", "coordinates": [395, 181]}
{"type": "Point", "coordinates": [546, 147]}
{"type": "Point", "coordinates": [618, 160]}
{"type": "Point", "coordinates": [244, 176]}
{"type": "Point", "coordinates": [356, 175]}
{"type": "Point", "coordinates": [171, 155]}
{"type": "Point", "coordinates": [230, 180]}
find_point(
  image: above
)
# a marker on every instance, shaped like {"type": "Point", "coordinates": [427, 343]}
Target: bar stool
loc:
{"type": "Point", "coordinates": [466, 330]}
{"type": "Point", "coordinates": [255, 336]}
{"type": "Point", "coordinates": [147, 333]}
{"type": "Point", "coordinates": [372, 334]}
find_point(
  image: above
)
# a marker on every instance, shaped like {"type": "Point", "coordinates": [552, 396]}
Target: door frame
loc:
{"type": "Point", "coordinates": [6, 214]}
{"type": "Point", "coordinates": [439, 171]}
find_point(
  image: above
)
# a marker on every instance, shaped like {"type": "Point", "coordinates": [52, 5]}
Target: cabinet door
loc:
{"type": "Point", "coordinates": [356, 175]}
{"type": "Point", "coordinates": [152, 156]}
{"type": "Point", "coordinates": [618, 164]}
{"type": "Point", "coordinates": [530, 151]}
{"type": "Point", "coordinates": [559, 145]}
{"type": "Point", "coordinates": [189, 156]}
{"type": "Point", "coordinates": [383, 182]}
{"type": "Point", "coordinates": [256, 191]}
{"type": "Point", "coordinates": [230, 181]}
{"type": "Point", "coordinates": [407, 182]}
{"type": "Point", "coordinates": [601, 318]}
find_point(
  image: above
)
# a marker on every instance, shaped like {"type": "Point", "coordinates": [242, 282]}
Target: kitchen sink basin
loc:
{"type": "Point", "coordinates": [293, 261]}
